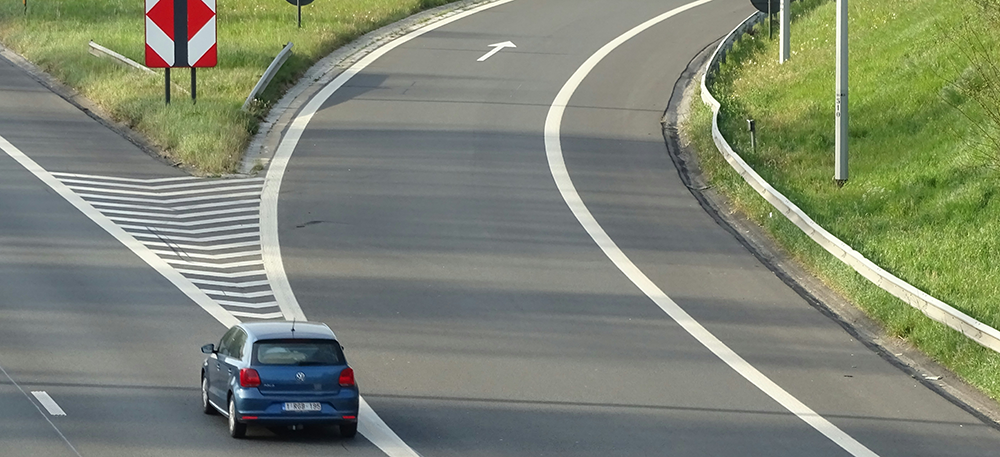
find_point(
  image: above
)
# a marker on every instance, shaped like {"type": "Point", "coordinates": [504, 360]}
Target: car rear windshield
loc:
{"type": "Point", "coordinates": [297, 352]}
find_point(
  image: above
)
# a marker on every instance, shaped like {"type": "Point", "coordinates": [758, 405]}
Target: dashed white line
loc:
{"type": "Point", "coordinates": [48, 403]}
{"type": "Point", "coordinates": [16, 385]}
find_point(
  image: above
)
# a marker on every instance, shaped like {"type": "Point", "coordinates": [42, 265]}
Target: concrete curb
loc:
{"type": "Point", "coordinates": [930, 306]}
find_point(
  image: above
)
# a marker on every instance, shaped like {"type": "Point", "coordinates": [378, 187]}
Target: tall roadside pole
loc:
{"type": "Point", "coordinates": [840, 165]}
{"type": "Point", "coordinates": [785, 32]}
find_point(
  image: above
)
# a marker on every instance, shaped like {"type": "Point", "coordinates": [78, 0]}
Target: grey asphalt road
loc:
{"type": "Point", "coordinates": [83, 319]}
{"type": "Point", "coordinates": [419, 219]}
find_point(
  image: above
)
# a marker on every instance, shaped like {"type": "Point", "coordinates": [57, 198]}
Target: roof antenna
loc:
{"type": "Point", "coordinates": [293, 327]}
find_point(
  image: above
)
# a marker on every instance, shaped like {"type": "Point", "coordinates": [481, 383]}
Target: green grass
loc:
{"type": "Point", "coordinates": [209, 137]}
{"type": "Point", "coordinates": [921, 200]}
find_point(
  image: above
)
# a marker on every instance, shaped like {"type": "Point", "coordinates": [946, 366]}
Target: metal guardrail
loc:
{"type": "Point", "coordinates": [101, 51]}
{"type": "Point", "coordinates": [931, 307]}
{"type": "Point", "coordinates": [268, 75]}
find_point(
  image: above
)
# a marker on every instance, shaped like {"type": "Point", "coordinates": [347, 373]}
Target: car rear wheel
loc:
{"type": "Point", "coordinates": [349, 430]}
{"type": "Point", "coordinates": [237, 429]}
{"type": "Point", "coordinates": [206, 407]}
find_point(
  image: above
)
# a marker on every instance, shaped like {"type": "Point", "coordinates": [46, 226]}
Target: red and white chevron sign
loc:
{"type": "Point", "coordinates": [180, 33]}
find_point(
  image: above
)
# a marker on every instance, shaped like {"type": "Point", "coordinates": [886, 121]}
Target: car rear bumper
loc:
{"type": "Point", "coordinates": [254, 408]}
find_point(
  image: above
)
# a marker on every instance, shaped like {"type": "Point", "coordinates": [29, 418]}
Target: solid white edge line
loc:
{"type": "Point", "coordinates": [46, 400]}
{"type": "Point", "coordinates": [369, 423]}
{"type": "Point", "coordinates": [557, 166]}
{"type": "Point", "coordinates": [144, 253]}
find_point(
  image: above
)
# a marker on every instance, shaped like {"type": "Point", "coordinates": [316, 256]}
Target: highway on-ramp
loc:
{"type": "Point", "coordinates": [487, 216]}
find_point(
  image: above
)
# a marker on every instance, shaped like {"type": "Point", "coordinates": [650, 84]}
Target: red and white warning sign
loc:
{"type": "Point", "coordinates": [180, 33]}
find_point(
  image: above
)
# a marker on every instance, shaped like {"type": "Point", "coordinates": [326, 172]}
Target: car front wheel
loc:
{"type": "Point", "coordinates": [237, 429]}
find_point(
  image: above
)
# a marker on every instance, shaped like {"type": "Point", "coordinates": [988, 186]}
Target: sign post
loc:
{"type": "Point", "coordinates": [840, 131]}
{"type": "Point", "coordinates": [784, 32]}
{"type": "Point", "coordinates": [298, 5]}
{"type": "Point", "coordinates": [181, 34]}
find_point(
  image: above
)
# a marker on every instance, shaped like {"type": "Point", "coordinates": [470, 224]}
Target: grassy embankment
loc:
{"type": "Point", "coordinates": [208, 137]}
{"type": "Point", "coordinates": [922, 200]}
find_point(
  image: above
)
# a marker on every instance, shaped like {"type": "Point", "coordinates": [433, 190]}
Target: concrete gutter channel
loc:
{"type": "Point", "coordinates": [851, 318]}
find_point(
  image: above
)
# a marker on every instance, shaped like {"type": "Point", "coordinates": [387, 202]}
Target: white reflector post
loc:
{"type": "Point", "coordinates": [840, 172]}
{"type": "Point", "coordinates": [785, 32]}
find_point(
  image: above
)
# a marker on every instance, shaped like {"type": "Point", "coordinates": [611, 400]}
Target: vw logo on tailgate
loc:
{"type": "Point", "coordinates": [300, 376]}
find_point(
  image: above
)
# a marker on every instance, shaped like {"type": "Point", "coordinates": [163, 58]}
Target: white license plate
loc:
{"type": "Point", "coordinates": [302, 407]}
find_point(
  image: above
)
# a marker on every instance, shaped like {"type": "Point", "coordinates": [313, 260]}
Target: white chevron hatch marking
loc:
{"type": "Point", "coordinates": [203, 228]}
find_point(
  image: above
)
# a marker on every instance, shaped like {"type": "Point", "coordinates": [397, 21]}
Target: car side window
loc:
{"type": "Point", "coordinates": [226, 343]}
{"type": "Point", "coordinates": [236, 348]}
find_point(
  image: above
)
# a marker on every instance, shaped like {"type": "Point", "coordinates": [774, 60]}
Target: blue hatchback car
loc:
{"type": "Point", "coordinates": [279, 374]}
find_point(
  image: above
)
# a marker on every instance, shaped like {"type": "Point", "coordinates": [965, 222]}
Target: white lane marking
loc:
{"type": "Point", "coordinates": [554, 153]}
{"type": "Point", "coordinates": [246, 285]}
{"type": "Point", "coordinates": [12, 381]}
{"type": "Point", "coordinates": [119, 233]}
{"type": "Point", "coordinates": [369, 423]}
{"type": "Point", "coordinates": [216, 274]}
{"type": "Point", "coordinates": [173, 214]}
{"type": "Point", "coordinates": [156, 201]}
{"type": "Point", "coordinates": [497, 47]}
{"type": "Point", "coordinates": [195, 223]}
{"type": "Point", "coordinates": [178, 208]}
{"type": "Point", "coordinates": [112, 178]}
{"type": "Point", "coordinates": [276, 315]}
{"type": "Point", "coordinates": [154, 193]}
{"type": "Point", "coordinates": [270, 304]}
{"type": "Point", "coordinates": [157, 246]}
{"type": "Point", "coordinates": [223, 293]}
{"type": "Point", "coordinates": [168, 251]}
{"type": "Point", "coordinates": [246, 263]}
{"type": "Point", "coordinates": [228, 228]}
{"type": "Point", "coordinates": [50, 405]}
{"type": "Point", "coordinates": [215, 183]}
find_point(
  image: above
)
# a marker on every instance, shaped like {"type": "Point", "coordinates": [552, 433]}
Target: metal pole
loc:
{"type": "Point", "coordinates": [784, 32]}
{"type": "Point", "coordinates": [753, 135]}
{"type": "Point", "coordinates": [194, 85]}
{"type": "Point", "coordinates": [770, 21]}
{"type": "Point", "coordinates": [166, 86]}
{"type": "Point", "coordinates": [840, 172]}
{"type": "Point", "coordinates": [298, 3]}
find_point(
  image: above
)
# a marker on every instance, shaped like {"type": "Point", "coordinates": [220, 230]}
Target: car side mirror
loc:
{"type": "Point", "coordinates": [208, 348]}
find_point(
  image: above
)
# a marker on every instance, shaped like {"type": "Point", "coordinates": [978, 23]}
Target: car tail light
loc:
{"type": "Point", "coordinates": [249, 377]}
{"type": "Point", "coordinates": [347, 377]}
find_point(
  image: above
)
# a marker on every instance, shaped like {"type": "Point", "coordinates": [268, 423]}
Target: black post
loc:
{"type": "Point", "coordinates": [194, 85]}
{"type": "Point", "coordinates": [167, 85]}
{"type": "Point", "coordinates": [298, 3]}
{"type": "Point", "coordinates": [770, 21]}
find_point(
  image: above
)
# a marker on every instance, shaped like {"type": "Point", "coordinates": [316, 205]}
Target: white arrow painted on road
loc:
{"type": "Point", "coordinates": [496, 48]}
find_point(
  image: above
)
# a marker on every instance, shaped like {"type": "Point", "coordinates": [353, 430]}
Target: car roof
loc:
{"type": "Point", "coordinates": [275, 330]}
